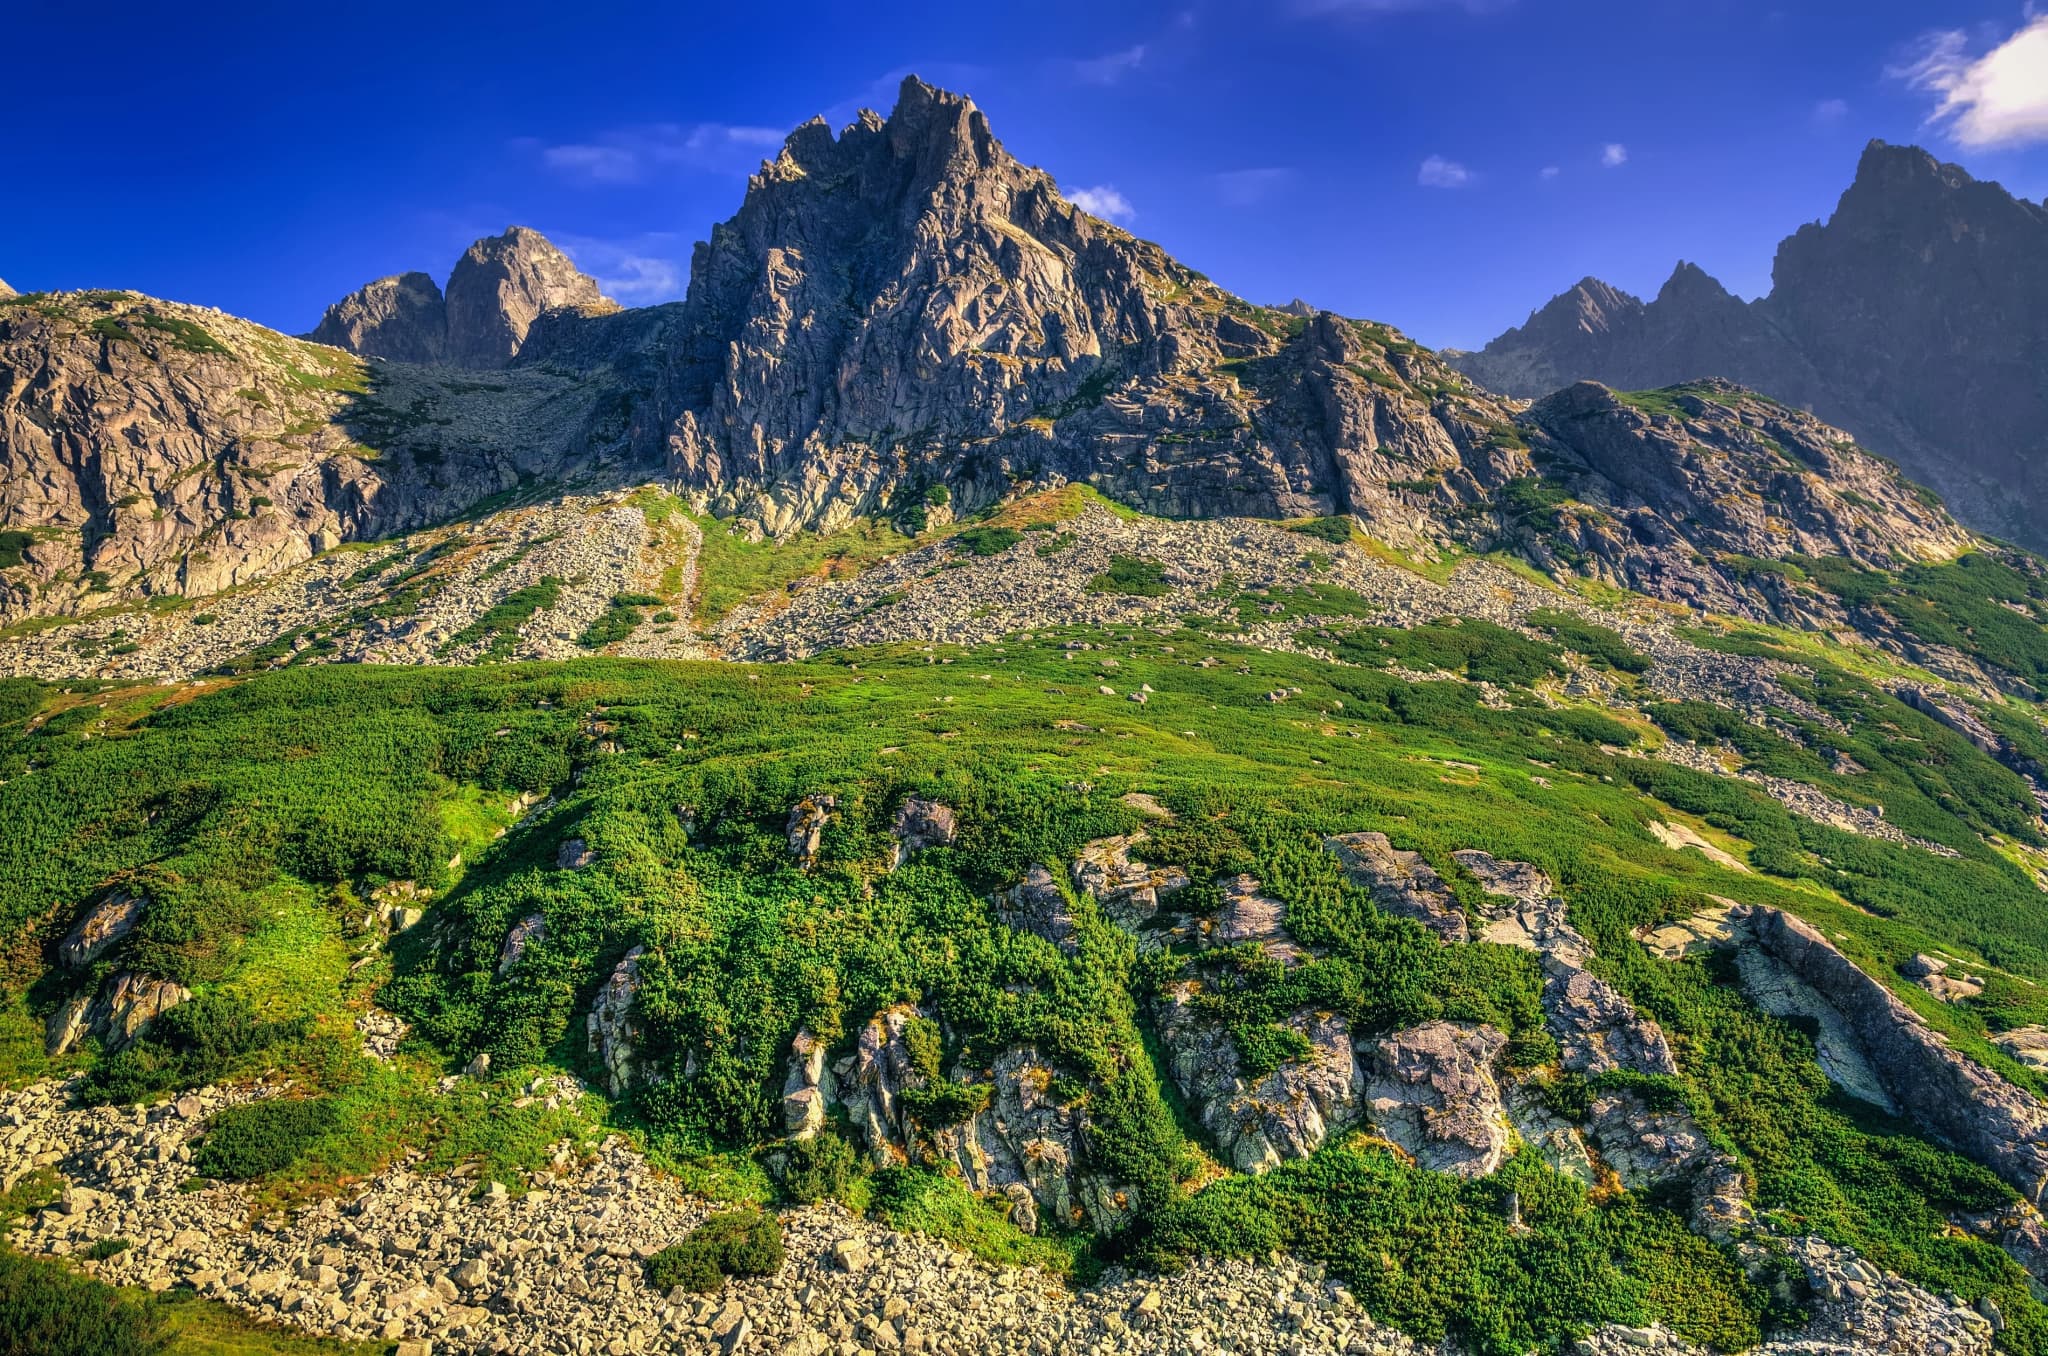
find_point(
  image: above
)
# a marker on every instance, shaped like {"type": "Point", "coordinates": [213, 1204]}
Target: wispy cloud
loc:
{"type": "Point", "coordinates": [1103, 201]}
{"type": "Point", "coordinates": [1613, 155]}
{"type": "Point", "coordinates": [631, 155]}
{"type": "Point", "coordinates": [1109, 68]}
{"type": "Point", "coordinates": [1548, 172]}
{"type": "Point", "coordinates": [1828, 112]}
{"type": "Point", "coordinates": [1997, 99]}
{"type": "Point", "coordinates": [1242, 188]}
{"type": "Point", "coordinates": [1437, 172]}
{"type": "Point", "coordinates": [638, 271]}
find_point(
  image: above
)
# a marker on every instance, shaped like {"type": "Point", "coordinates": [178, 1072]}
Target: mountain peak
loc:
{"type": "Point", "coordinates": [5, 290]}
{"type": "Point", "coordinates": [1691, 284]}
{"type": "Point", "coordinates": [499, 287]}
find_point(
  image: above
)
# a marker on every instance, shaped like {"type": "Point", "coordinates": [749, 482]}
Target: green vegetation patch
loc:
{"type": "Point", "coordinates": [987, 541]}
{"type": "Point", "coordinates": [1137, 576]}
{"type": "Point", "coordinates": [735, 1243]}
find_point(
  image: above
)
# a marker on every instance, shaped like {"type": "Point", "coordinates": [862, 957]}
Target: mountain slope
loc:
{"type": "Point", "coordinates": [159, 451]}
{"type": "Point", "coordinates": [1913, 318]}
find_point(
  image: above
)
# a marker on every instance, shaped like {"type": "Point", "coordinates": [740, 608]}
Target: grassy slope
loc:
{"type": "Point", "coordinates": [257, 811]}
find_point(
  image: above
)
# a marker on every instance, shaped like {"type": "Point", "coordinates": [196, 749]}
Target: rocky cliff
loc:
{"type": "Point", "coordinates": [499, 288]}
{"type": "Point", "coordinates": [905, 305]}
{"type": "Point", "coordinates": [1916, 317]}
{"type": "Point", "coordinates": [150, 449]}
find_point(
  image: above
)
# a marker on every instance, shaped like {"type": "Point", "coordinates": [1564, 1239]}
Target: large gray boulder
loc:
{"type": "Point", "coordinates": [1432, 1091]}
{"type": "Point", "coordinates": [99, 928]}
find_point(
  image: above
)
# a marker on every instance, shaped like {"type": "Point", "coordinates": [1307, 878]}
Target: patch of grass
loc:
{"type": "Point", "coordinates": [1136, 576]}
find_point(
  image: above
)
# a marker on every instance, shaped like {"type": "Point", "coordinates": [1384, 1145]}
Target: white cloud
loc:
{"type": "Point", "coordinates": [1549, 172]}
{"type": "Point", "coordinates": [1613, 155]}
{"type": "Point", "coordinates": [1103, 201]}
{"type": "Point", "coordinates": [1242, 188]}
{"type": "Point", "coordinates": [1830, 111]}
{"type": "Point", "coordinates": [1438, 172]}
{"type": "Point", "coordinates": [630, 155]}
{"type": "Point", "coordinates": [638, 271]}
{"type": "Point", "coordinates": [1109, 69]}
{"type": "Point", "coordinates": [1997, 99]}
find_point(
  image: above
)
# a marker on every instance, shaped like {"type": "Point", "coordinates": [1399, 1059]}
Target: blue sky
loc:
{"type": "Point", "coordinates": [1444, 165]}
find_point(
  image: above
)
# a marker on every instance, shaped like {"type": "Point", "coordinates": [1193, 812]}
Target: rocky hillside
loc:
{"type": "Point", "coordinates": [159, 451]}
{"type": "Point", "coordinates": [905, 306]}
{"type": "Point", "coordinates": [1913, 318]}
{"type": "Point", "coordinates": [500, 286]}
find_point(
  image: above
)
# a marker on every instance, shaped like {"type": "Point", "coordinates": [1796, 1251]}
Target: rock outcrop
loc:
{"type": "Point", "coordinates": [1950, 1097]}
{"type": "Point", "coordinates": [1432, 1091]}
{"type": "Point", "coordinates": [99, 928]}
{"type": "Point", "coordinates": [1691, 483]}
{"type": "Point", "coordinates": [1128, 890]}
{"type": "Point", "coordinates": [1038, 906]}
{"type": "Point", "coordinates": [1400, 882]}
{"type": "Point", "coordinates": [403, 318]}
{"type": "Point", "coordinates": [117, 1014]}
{"type": "Point", "coordinates": [498, 290]}
{"type": "Point", "coordinates": [611, 1031]}
{"type": "Point", "coordinates": [805, 828]}
{"type": "Point", "coordinates": [1258, 1121]}
{"type": "Point", "coordinates": [1916, 317]}
{"type": "Point", "coordinates": [922, 824]}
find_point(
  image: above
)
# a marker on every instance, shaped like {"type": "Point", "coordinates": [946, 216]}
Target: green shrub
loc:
{"type": "Point", "coordinates": [256, 1139]}
{"type": "Point", "coordinates": [103, 1248]}
{"type": "Point", "coordinates": [819, 1168]}
{"type": "Point", "coordinates": [1132, 575]}
{"type": "Point", "coordinates": [1335, 530]}
{"type": "Point", "coordinates": [1263, 1048]}
{"type": "Point", "coordinates": [47, 1310]}
{"type": "Point", "coordinates": [988, 541]}
{"type": "Point", "coordinates": [736, 1243]}
{"type": "Point", "coordinates": [200, 1041]}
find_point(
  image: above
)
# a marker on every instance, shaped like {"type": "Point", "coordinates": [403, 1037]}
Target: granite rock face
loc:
{"type": "Point", "coordinates": [612, 1030]}
{"type": "Point", "coordinates": [1260, 1120]}
{"type": "Point", "coordinates": [99, 928]}
{"type": "Point", "coordinates": [403, 318]}
{"type": "Point", "coordinates": [1916, 317]}
{"type": "Point", "coordinates": [1952, 1098]}
{"type": "Point", "coordinates": [905, 303]}
{"type": "Point", "coordinates": [500, 287]}
{"type": "Point", "coordinates": [1432, 1091]}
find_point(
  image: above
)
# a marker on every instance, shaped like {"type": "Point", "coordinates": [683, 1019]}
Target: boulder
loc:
{"type": "Point", "coordinates": [1401, 883]}
{"type": "Point", "coordinates": [528, 930]}
{"type": "Point", "coordinates": [1037, 905]}
{"type": "Point", "coordinates": [922, 824]}
{"type": "Point", "coordinates": [96, 931]}
{"type": "Point", "coordinates": [805, 829]}
{"type": "Point", "coordinates": [610, 1031]}
{"type": "Point", "coordinates": [1432, 1091]}
{"type": "Point", "coordinates": [574, 855]}
{"type": "Point", "coordinates": [1259, 1123]}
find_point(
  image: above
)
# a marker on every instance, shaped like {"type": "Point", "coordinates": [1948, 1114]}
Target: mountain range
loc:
{"type": "Point", "coordinates": [1139, 783]}
{"type": "Point", "coordinates": [1916, 317]}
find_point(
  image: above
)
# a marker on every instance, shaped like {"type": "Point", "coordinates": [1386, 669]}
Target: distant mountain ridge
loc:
{"type": "Point", "coordinates": [500, 286]}
{"type": "Point", "coordinates": [1916, 318]}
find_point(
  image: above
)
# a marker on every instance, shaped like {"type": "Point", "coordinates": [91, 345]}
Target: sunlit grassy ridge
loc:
{"type": "Point", "coordinates": [259, 814]}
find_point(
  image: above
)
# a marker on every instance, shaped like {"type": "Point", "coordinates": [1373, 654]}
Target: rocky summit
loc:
{"type": "Point", "coordinates": [500, 286]}
{"type": "Point", "coordinates": [1912, 317]}
{"type": "Point", "coordinates": [962, 789]}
